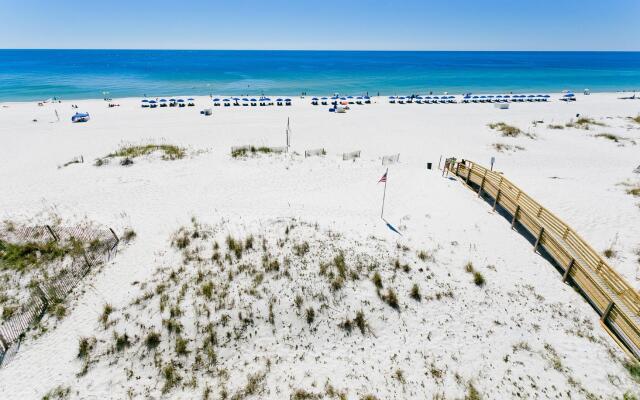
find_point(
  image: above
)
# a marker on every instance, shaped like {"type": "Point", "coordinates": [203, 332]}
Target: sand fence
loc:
{"type": "Point", "coordinates": [102, 244]}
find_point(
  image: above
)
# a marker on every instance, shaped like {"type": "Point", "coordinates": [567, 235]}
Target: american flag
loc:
{"type": "Point", "coordinates": [384, 178]}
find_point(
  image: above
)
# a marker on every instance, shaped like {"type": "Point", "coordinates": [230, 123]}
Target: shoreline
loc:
{"type": "Point", "coordinates": [300, 97]}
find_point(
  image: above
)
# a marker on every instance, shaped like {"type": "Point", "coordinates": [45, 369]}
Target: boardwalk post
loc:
{"type": "Point", "coordinates": [606, 312]}
{"type": "Point", "coordinates": [515, 217]}
{"type": "Point", "coordinates": [482, 184]}
{"type": "Point", "coordinates": [468, 174]}
{"type": "Point", "coordinates": [568, 270]}
{"type": "Point", "coordinates": [535, 247]}
{"type": "Point", "coordinates": [495, 203]}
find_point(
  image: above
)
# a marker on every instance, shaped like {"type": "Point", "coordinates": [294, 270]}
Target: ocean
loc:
{"type": "Point", "coordinates": [81, 74]}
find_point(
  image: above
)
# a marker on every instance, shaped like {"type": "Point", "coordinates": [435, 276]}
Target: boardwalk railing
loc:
{"type": "Point", "coordinates": [617, 302]}
{"type": "Point", "coordinates": [102, 247]}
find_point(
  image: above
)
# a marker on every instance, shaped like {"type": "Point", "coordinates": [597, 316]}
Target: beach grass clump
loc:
{"type": "Point", "coordinates": [583, 123]}
{"type": "Point", "coordinates": [169, 151]}
{"type": "Point", "coordinates": [58, 393]}
{"type": "Point", "coordinates": [391, 298]}
{"type": "Point", "coordinates": [152, 340]}
{"type": "Point", "coordinates": [634, 369]}
{"type": "Point", "coordinates": [609, 136]}
{"type": "Point", "coordinates": [502, 147]}
{"type": "Point", "coordinates": [415, 292]}
{"type": "Point", "coordinates": [555, 126]}
{"type": "Point", "coordinates": [506, 129]}
{"type": "Point", "coordinates": [22, 256]}
{"type": "Point", "coordinates": [478, 278]}
{"type": "Point", "coordinates": [636, 119]}
{"type": "Point", "coordinates": [250, 150]}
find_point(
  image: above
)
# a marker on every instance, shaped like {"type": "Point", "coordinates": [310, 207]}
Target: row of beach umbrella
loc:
{"type": "Point", "coordinates": [422, 99]}
{"type": "Point", "coordinates": [343, 100]}
{"type": "Point", "coordinates": [262, 101]}
{"type": "Point", "coordinates": [516, 98]}
{"type": "Point", "coordinates": [167, 103]}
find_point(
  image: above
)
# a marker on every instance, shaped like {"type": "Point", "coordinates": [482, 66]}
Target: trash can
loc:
{"type": "Point", "coordinates": [428, 165]}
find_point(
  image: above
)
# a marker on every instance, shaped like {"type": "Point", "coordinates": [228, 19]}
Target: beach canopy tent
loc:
{"type": "Point", "coordinates": [80, 117]}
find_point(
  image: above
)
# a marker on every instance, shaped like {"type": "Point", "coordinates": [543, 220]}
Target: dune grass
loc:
{"type": "Point", "coordinates": [583, 123]}
{"type": "Point", "coordinates": [609, 136]}
{"type": "Point", "coordinates": [21, 256]}
{"type": "Point", "coordinates": [169, 152]}
{"type": "Point", "coordinates": [243, 152]}
{"type": "Point", "coordinates": [506, 129]}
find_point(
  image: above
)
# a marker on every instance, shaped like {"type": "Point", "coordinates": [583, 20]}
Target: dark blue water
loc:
{"type": "Point", "coordinates": [40, 74]}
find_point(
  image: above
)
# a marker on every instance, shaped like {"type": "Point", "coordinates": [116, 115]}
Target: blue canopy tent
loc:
{"type": "Point", "coordinates": [80, 117]}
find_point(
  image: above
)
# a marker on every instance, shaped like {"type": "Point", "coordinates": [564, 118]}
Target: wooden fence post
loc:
{"type": "Point", "coordinates": [468, 175]}
{"type": "Point", "coordinates": [567, 271]}
{"type": "Point", "coordinates": [606, 312]}
{"type": "Point", "coordinates": [495, 203]}
{"type": "Point", "coordinates": [535, 247]}
{"type": "Point", "coordinates": [515, 217]}
{"type": "Point", "coordinates": [53, 234]}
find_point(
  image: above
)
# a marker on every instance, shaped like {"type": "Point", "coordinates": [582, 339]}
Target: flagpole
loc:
{"type": "Point", "coordinates": [384, 193]}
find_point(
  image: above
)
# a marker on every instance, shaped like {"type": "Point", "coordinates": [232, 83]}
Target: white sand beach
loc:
{"type": "Point", "coordinates": [523, 333]}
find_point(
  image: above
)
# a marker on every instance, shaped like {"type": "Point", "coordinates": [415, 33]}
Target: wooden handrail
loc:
{"type": "Point", "coordinates": [617, 302]}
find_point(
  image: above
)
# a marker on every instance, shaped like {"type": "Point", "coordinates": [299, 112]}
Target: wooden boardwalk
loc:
{"type": "Point", "coordinates": [617, 302]}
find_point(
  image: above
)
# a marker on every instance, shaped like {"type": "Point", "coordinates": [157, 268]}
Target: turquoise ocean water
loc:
{"type": "Point", "coordinates": [78, 74]}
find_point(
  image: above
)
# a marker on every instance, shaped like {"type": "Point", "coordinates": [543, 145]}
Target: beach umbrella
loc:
{"type": "Point", "coordinates": [324, 98]}
{"type": "Point", "coordinates": [419, 97]}
{"type": "Point", "coordinates": [145, 101]}
{"type": "Point", "coordinates": [172, 100]}
{"type": "Point", "coordinates": [349, 97]}
{"type": "Point", "coordinates": [189, 99]}
{"type": "Point", "coordinates": [281, 99]}
{"type": "Point", "coordinates": [315, 98]}
{"type": "Point", "coordinates": [163, 100]}
{"type": "Point", "coordinates": [225, 100]}
{"type": "Point", "coordinates": [216, 99]}
{"type": "Point", "coordinates": [367, 97]}
{"type": "Point", "coordinates": [180, 101]}
{"type": "Point", "coordinates": [266, 99]}
{"type": "Point", "coordinates": [287, 99]}
{"type": "Point", "coordinates": [391, 97]}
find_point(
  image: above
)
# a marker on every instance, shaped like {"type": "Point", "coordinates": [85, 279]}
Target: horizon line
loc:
{"type": "Point", "coordinates": [314, 50]}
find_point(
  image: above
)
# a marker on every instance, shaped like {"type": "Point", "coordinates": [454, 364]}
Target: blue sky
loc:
{"type": "Point", "coordinates": [327, 24]}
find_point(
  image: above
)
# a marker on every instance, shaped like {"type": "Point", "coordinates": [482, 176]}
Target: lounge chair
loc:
{"type": "Point", "coordinates": [287, 102]}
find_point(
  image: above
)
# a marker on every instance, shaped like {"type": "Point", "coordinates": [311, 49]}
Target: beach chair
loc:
{"type": "Point", "coordinates": [392, 100]}
{"type": "Point", "coordinates": [314, 101]}
{"type": "Point", "coordinates": [279, 102]}
{"type": "Point", "coordinates": [367, 100]}
{"type": "Point", "coordinates": [323, 101]}
{"type": "Point", "coordinates": [226, 102]}
{"type": "Point", "coordinates": [253, 102]}
{"type": "Point", "coordinates": [359, 100]}
{"type": "Point", "coordinates": [287, 102]}
{"type": "Point", "coordinates": [245, 102]}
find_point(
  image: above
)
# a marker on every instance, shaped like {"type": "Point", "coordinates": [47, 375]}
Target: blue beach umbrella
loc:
{"type": "Point", "coordinates": [145, 101]}
{"type": "Point", "coordinates": [287, 99]}
{"type": "Point", "coordinates": [216, 99]}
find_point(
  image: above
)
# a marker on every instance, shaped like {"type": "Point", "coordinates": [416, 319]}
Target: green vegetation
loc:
{"type": "Point", "coordinates": [636, 119]}
{"type": "Point", "coordinates": [478, 279]}
{"type": "Point", "coordinates": [22, 256]}
{"type": "Point", "coordinates": [152, 340]}
{"type": "Point", "coordinates": [583, 123]}
{"type": "Point", "coordinates": [506, 129]}
{"type": "Point", "coordinates": [552, 126]}
{"type": "Point", "coordinates": [169, 152]}
{"type": "Point", "coordinates": [244, 151]}
{"type": "Point", "coordinates": [634, 369]}
{"type": "Point", "coordinates": [415, 292]}
{"type": "Point", "coordinates": [609, 136]}
{"type": "Point", "coordinates": [57, 393]}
